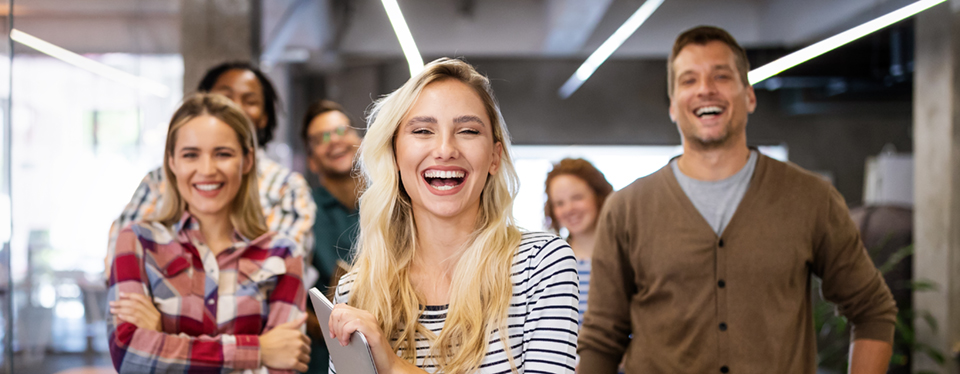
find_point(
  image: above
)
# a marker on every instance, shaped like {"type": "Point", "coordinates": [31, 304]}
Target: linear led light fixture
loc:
{"type": "Point", "coordinates": [403, 34]}
{"type": "Point", "coordinates": [796, 58]}
{"type": "Point", "coordinates": [87, 64]}
{"type": "Point", "coordinates": [608, 47]}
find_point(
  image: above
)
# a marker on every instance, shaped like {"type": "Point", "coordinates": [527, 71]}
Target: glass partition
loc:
{"type": "Point", "coordinates": [6, 306]}
{"type": "Point", "coordinates": [96, 82]}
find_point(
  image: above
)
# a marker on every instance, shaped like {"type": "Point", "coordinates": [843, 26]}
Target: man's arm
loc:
{"type": "Point", "coordinates": [294, 214]}
{"type": "Point", "coordinates": [852, 281]}
{"type": "Point", "coordinates": [606, 328]}
{"type": "Point", "coordinates": [868, 356]}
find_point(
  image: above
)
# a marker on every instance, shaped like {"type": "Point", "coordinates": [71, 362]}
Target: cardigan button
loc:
{"type": "Point", "coordinates": [724, 369]}
{"type": "Point", "coordinates": [721, 283]}
{"type": "Point", "coordinates": [720, 243]}
{"type": "Point", "coordinates": [723, 326]}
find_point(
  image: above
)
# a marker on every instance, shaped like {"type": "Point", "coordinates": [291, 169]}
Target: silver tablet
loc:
{"type": "Point", "coordinates": [356, 357]}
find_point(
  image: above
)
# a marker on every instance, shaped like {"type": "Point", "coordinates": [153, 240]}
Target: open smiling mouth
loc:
{"type": "Point", "coordinates": [708, 111]}
{"type": "Point", "coordinates": [443, 180]}
{"type": "Point", "coordinates": [208, 187]}
{"type": "Point", "coordinates": [338, 153]}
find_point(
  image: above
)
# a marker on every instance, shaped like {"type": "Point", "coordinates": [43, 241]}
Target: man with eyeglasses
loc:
{"type": "Point", "coordinates": [331, 148]}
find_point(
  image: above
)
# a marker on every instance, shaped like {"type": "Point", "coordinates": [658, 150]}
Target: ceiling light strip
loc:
{"type": "Point", "coordinates": [404, 36]}
{"type": "Point", "coordinates": [796, 58]}
{"type": "Point", "coordinates": [87, 64]}
{"type": "Point", "coordinates": [608, 47]}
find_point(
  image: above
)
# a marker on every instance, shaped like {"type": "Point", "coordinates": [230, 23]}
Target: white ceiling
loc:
{"type": "Point", "coordinates": [492, 28]}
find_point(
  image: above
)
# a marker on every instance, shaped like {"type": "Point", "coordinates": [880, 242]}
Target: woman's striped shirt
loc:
{"type": "Point", "coordinates": [542, 319]}
{"type": "Point", "coordinates": [583, 270]}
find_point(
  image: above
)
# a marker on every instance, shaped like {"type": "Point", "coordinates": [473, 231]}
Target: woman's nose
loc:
{"type": "Point", "coordinates": [207, 165]}
{"type": "Point", "coordinates": [447, 148]}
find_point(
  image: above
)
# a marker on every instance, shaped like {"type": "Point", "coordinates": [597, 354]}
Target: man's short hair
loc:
{"type": "Point", "coordinates": [316, 109]}
{"type": "Point", "coordinates": [270, 97]}
{"type": "Point", "coordinates": [701, 35]}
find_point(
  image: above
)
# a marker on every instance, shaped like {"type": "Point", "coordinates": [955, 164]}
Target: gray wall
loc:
{"type": "Point", "coordinates": [625, 103]}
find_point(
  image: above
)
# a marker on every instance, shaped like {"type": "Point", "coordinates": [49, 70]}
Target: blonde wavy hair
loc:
{"type": "Point", "coordinates": [246, 215]}
{"type": "Point", "coordinates": [387, 241]}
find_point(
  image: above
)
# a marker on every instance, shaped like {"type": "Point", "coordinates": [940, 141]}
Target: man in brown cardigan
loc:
{"type": "Point", "coordinates": [707, 262]}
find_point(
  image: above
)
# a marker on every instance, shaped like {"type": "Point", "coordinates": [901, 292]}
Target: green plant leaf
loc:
{"type": "Point", "coordinates": [931, 321]}
{"type": "Point", "coordinates": [898, 360]}
{"type": "Point", "coordinates": [921, 285]}
{"type": "Point", "coordinates": [931, 352]}
{"type": "Point", "coordinates": [895, 259]}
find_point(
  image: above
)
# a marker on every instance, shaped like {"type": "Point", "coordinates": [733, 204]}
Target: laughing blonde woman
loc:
{"type": "Point", "coordinates": [444, 281]}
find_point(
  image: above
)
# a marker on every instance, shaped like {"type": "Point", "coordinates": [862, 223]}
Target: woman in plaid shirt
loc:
{"type": "Point", "coordinates": [202, 286]}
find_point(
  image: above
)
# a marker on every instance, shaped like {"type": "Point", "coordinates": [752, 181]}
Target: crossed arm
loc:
{"type": "Point", "coordinates": [139, 344]}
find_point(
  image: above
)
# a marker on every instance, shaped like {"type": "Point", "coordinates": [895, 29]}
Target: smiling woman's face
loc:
{"type": "Point", "coordinates": [209, 165]}
{"type": "Point", "coordinates": [445, 150]}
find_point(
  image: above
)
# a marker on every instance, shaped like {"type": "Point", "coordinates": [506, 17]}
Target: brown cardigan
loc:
{"type": "Point", "coordinates": [738, 303]}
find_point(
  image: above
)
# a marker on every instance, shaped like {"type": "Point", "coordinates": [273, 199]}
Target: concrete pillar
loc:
{"type": "Point", "coordinates": [937, 178]}
{"type": "Point", "coordinates": [214, 31]}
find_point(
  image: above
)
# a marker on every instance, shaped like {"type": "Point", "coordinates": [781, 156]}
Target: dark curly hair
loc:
{"type": "Point", "coordinates": [584, 170]}
{"type": "Point", "coordinates": [270, 97]}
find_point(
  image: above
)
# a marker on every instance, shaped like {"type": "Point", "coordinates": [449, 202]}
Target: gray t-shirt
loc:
{"type": "Point", "coordinates": [717, 200]}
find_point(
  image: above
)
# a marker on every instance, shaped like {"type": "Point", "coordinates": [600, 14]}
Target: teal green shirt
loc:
{"type": "Point", "coordinates": [334, 232]}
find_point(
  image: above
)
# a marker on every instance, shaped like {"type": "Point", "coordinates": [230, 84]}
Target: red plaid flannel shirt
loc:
{"type": "Point", "coordinates": [213, 307]}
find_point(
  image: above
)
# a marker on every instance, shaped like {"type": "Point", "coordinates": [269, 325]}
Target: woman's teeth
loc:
{"type": "Point", "coordinates": [208, 187]}
{"type": "Point", "coordinates": [444, 180]}
{"type": "Point", "coordinates": [443, 174]}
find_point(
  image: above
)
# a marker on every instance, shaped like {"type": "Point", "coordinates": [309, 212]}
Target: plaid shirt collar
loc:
{"type": "Point", "coordinates": [188, 231]}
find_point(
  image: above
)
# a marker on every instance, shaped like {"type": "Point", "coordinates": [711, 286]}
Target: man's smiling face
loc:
{"type": "Point", "coordinates": [710, 103]}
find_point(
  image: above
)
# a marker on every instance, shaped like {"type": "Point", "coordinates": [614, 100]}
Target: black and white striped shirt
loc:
{"type": "Point", "coordinates": [542, 319]}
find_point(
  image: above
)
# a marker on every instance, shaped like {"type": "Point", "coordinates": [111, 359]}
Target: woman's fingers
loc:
{"type": "Point", "coordinates": [305, 347]}
{"type": "Point", "coordinates": [339, 319]}
{"type": "Point", "coordinates": [357, 324]}
{"type": "Point", "coordinates": [136, 309]}
{"type": "Point", "coordinates": [334, 323]}
{"type": "Point", "coordinates": [295, 324]}
{"type": "Point", "coordinates": [301, 367]}
{"type": "Point", "coordinates": [142, 300]}
{"type": "Point", "coordinates": [348, 329]}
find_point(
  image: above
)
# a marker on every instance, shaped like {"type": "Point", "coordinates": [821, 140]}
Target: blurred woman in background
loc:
{"type": "Point", "coordinates": [576, 191]}
{"type": "Point", "coordinates": [202, 286]}
{"type": "Point", "coordinates": [444, 281]}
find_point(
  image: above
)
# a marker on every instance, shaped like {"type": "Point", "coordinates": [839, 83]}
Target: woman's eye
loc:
{"type": "Point", "coordinates": [422, 132]}
{"type": "Point", "coordinates": [470, 131]}
{"type": "Point", "coordinates": [224, 154]}
{"type": "Point", "coordinates": [189, 155]}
